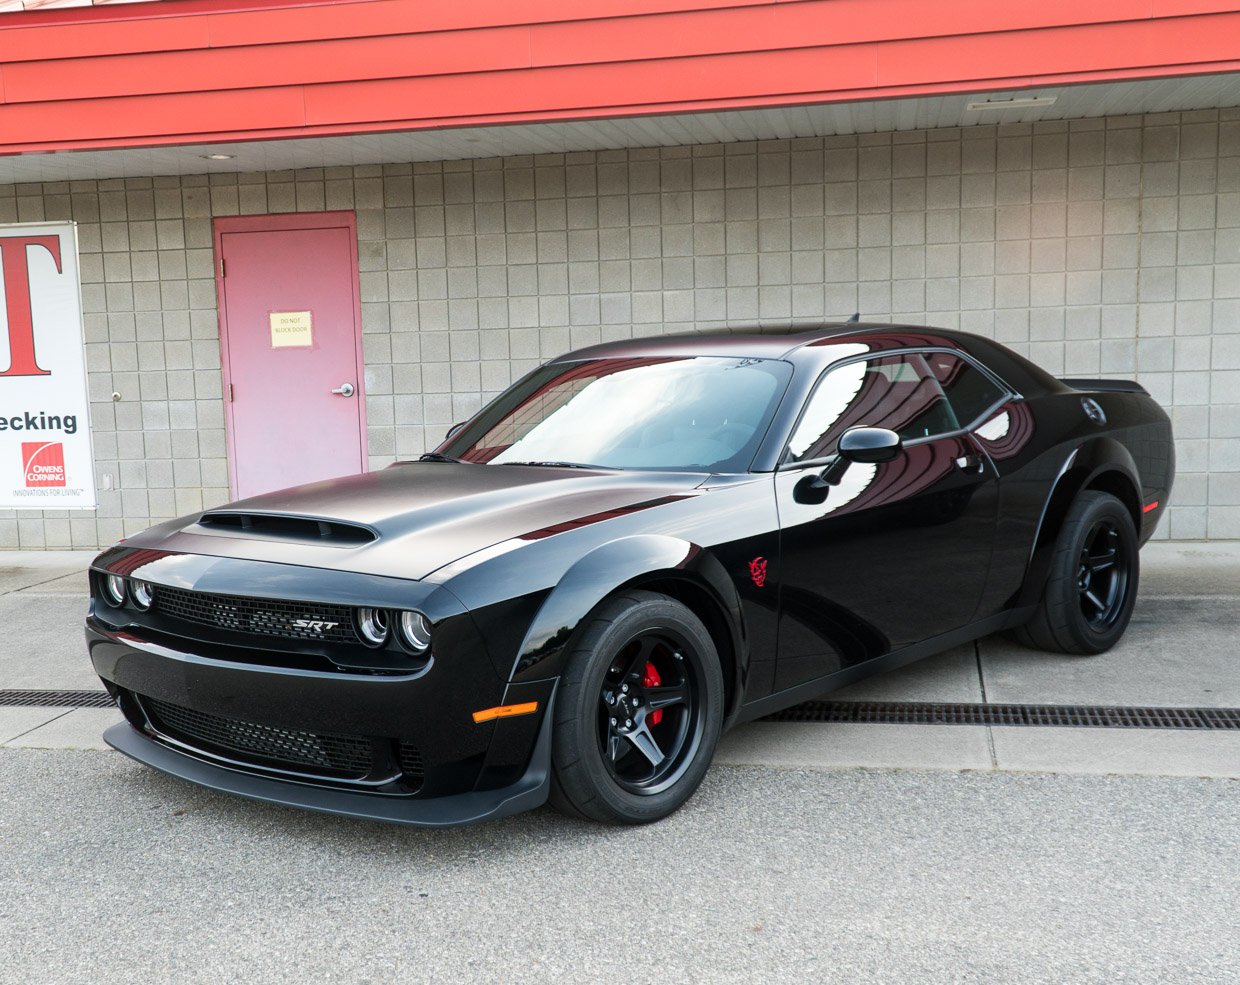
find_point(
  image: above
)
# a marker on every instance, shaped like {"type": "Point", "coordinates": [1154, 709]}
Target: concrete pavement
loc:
{"type": "Point", "coordinates": [112, 873]}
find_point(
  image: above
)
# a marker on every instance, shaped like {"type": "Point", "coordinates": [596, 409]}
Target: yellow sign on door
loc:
{"type": "Point", "coordinates": [291, 329]}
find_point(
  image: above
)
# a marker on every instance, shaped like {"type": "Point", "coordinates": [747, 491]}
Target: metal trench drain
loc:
{"type": "Point", "coordinates": [863, 712]}
{"type": "Point", "coordinates": [1059, 716]}
{"type": "Point", "coordinates": [56, 699]}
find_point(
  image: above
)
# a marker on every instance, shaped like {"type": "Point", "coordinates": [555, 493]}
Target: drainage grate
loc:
{"type": "Point", "coordinates": [56, 699]}
{"type": "Point", "coordinates": [1062, 716]}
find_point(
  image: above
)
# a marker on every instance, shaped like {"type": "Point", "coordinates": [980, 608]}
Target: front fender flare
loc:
{"type": "Point", "coordinates": [607, 569]}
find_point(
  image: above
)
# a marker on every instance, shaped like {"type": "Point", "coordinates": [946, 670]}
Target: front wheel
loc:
{"type": "Point", "coordinates": [638, 712]}
{"type": "Point", "coordinates": [1092, 584]}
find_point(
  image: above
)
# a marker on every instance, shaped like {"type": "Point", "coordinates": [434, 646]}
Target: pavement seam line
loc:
{"type": "Point", "coordinates": [55, 718]}
{"type": "Point", "coordinates": [981, 682]}
{"type": "Point", "coordinates": [1188, 598]}
{"type": "Point", "coordinates": [46, 581]}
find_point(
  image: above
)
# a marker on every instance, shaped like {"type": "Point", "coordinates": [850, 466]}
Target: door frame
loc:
{"type": "Point", "coordinates": [222, 225]}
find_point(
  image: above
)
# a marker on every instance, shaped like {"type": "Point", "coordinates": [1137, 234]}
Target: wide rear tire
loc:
{"type": "Point", "coordinates": [1092, 584]}
{"type": "Point", "coordinates": [638, 712]}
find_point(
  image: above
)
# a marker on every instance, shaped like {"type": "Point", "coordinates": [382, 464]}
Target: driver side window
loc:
{"type": "Point", "coordinates": [894, 392]}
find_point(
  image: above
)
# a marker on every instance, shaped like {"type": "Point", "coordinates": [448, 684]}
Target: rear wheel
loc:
{"type": "Point", "coordinates": [1092, 584]}
{"type": "Point", "coordinates": [638, 712]}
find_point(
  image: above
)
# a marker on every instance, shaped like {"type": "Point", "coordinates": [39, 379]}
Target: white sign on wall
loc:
{"type": "Point", "coordinates": [45, 450]}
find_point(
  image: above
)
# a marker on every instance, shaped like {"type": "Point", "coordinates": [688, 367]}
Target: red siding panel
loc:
{"type": "Point", "coordinates": [113, 77]}
{"type": "Point", "coordinates": [266, 65]}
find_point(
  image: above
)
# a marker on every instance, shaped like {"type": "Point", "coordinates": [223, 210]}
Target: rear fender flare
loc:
{"type": "Point", "coordinates": [606, 570]}
{"type": "Point", "coordinates": [1082, 466]}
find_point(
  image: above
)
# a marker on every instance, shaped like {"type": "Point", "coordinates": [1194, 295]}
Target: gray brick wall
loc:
{"type": "Point", "coordinates": [1107, 247]}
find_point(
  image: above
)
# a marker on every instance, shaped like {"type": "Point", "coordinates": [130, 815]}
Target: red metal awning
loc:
{"type": "Point", "coordinates": [195, 71]}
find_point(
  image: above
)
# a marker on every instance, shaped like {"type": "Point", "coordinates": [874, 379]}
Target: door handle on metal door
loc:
{"type": "Point", "coordinates": [344, 390]}
{"type": "Point", "coordinates": [971, 463]}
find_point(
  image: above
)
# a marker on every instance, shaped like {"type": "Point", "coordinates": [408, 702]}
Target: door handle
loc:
{"type": "Point", "coordinates": [344, 390]}
{"type": "Point", "coordinates": [971, 463]}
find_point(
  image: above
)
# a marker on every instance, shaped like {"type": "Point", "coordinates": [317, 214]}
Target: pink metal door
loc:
{"type": "Point", "coordinates": [290, 327]}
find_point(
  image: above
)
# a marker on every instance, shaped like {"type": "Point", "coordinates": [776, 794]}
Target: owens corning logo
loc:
{"type": "Point", "coordinates": [43, 463]}
{"type": "Point", "coordinates": [315, 625]}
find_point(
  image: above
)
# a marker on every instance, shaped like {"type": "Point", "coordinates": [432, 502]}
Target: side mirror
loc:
{"type": "Point", "coordinates": [454, 430]}
{"type": "Point", "coordinates": [872, 446]}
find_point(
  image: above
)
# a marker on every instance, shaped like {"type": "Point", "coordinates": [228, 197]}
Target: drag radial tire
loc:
{"type": "Point", "coordinates": [637, 712]}
{"type": "Point", "coordinates": [1092, 584]}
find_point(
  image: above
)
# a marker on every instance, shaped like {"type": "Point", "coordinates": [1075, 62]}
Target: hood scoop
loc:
{"type": "Point", "coordinates": [275, 526]}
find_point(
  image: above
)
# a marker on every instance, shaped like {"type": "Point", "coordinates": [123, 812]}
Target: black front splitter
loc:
{"type": "Point", "coordinates": [439, 812]}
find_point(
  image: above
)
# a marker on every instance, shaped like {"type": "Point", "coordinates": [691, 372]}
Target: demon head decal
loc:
{"type": "Point", "coordinates": [757, 571]}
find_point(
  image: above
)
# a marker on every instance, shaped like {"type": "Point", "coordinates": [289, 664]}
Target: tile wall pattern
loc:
{"type": "Point", "coordinates": [1096, 247]}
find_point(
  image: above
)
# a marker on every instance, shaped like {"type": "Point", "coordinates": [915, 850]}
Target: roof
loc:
{"type": "Point", "coordinates": [758, 341]}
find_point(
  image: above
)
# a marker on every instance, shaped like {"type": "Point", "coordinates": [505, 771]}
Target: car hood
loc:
{"type": "Point", "coordinates": [411, 519]}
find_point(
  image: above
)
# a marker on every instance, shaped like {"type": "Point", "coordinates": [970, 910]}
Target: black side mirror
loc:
{"type": "Point", "coordinates": [454, 430]}
{"type": "Point", "coordinates": [872, 446]}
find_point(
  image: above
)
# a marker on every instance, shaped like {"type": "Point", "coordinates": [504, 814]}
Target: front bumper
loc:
{"type": "Point", "coordinates": [528, 792]}
{"type": "Point", "coordinates": [276, 733]}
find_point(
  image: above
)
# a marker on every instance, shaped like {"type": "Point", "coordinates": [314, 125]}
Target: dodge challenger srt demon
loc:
{"type": "Point", "coordinates": [636, 546]}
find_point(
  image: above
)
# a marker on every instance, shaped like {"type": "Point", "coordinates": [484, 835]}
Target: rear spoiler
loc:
{"type": "Point", "coordinates": [1105, 386]}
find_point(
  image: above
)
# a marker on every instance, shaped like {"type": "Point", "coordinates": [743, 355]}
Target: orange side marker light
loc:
{"type": "Point", "coordinates": [505, 711]}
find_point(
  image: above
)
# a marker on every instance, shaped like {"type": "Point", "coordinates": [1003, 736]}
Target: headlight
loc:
{"type": "Point", "coordinates": [113, 587]}
{"type": "Point", "coordinates": [140, 594]}
{"type": "Point", "coordinates": [372, 624]}
{"type": "Point", "coordinates": [415, 631]}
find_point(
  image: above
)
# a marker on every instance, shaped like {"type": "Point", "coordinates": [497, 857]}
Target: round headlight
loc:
{"type": "Point", "coordinates": [140, 594]}
{"type": "Point", "coordinates": [113, 589]}
{"type": "Point", "coordinates": [415, 631]}
{"type": "Point", "coordinates": [372, 624]}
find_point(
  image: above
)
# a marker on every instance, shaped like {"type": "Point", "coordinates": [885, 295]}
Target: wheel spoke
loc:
{"type": "Point", "coordinates": [665, 697]}
{"type": "Point", "coordinates": [1096, 602]}
{"type": "Point", "coordinates": [1102, 561]}
{"type": "Point", "coordinates": [615, 747]}
{"type": "Point", "coordinates": [636, 665]}
{"type": "Point", "coordinates": [644, 743]}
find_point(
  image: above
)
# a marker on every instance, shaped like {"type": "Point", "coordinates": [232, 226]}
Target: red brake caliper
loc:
{"type": "Point", "coordinates": [651, 678]}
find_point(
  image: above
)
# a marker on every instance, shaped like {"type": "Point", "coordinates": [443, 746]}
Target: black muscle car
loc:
{"type": "Point", "coordinates": [635, 547]}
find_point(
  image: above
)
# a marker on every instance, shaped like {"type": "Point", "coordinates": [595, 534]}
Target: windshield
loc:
{"type": "Point", "coordinates": [699, 413]}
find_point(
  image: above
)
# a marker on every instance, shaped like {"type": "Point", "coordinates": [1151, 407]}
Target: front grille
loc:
{"type": "Point", "coordinates": [263, 617]}
{"type": "Point", "coordinates": [347, 755]}
{"type": "Point", "coordinates": [410, 759]}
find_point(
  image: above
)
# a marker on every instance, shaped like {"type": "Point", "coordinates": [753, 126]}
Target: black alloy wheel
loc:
{"type": "Point", "coordinates": [650, 714]}
{"type": "Point", "coordinates": [1102, 575]}
{"type": "Point", "coordinates": [1092, 584]}
{"type": "Point", "coordinates": [638, 711]}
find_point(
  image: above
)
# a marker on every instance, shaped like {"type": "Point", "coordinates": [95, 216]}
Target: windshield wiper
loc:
{"type": "Point", "coordinates": [434, 456]}
{"type": "Point", "coordinates": [555, 465]}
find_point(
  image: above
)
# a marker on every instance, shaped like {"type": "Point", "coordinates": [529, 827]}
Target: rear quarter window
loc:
{"type": "Point", "coordinates": [970, 391]}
